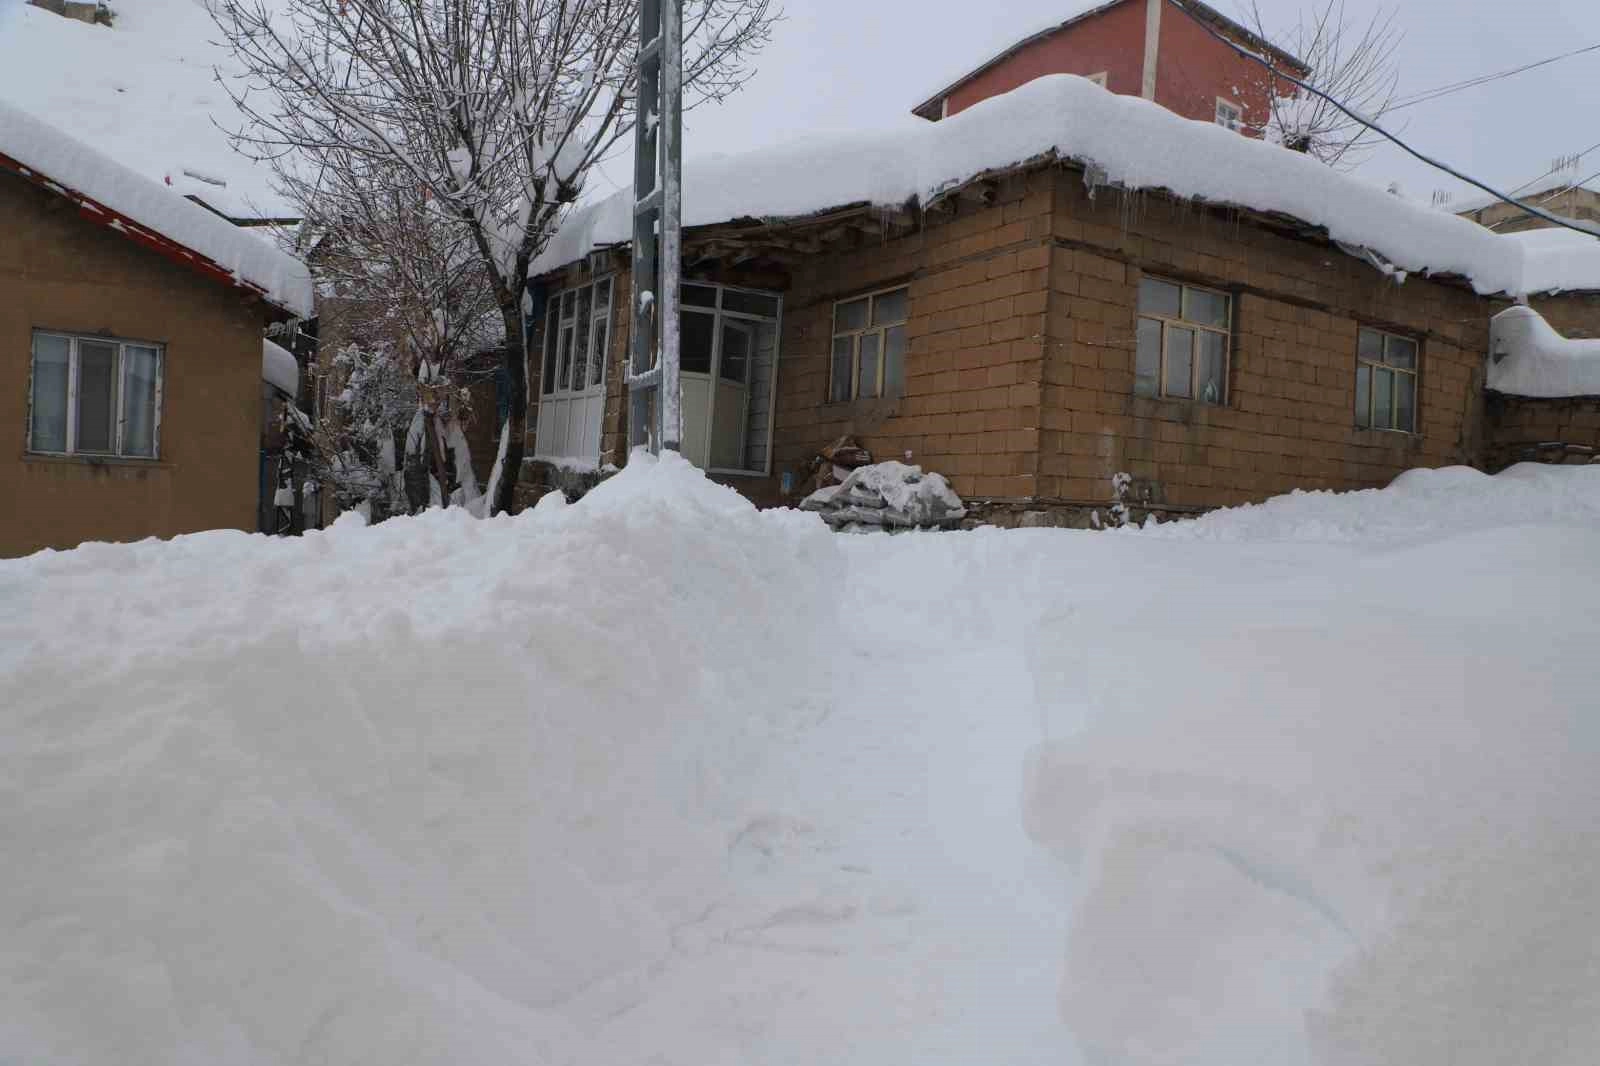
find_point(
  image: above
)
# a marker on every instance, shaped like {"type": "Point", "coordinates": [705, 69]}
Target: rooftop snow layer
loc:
{"type": "Point", "coordinates": [79, 168]}
{"type": "Point", "coordinates": [1558, 260]}
{"type": "Point", "coordinates": [279, 368]}
{"type": "Point", "coordinates": [1529, 358]}
{"type": "Point", "coordinates": [1138, 144]}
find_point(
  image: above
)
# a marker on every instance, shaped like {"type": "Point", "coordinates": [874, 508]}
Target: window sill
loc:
{"type": "Point", "coordinates": [48, 459]}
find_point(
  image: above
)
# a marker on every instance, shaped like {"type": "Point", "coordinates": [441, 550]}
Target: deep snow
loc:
{"type": "Point", "coordinates": [656, 778]}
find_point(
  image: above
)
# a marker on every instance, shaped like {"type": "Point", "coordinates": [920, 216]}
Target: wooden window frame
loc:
{"type": "Point", "coordinates": [557, 321]}
{"type": "Point", "coordinates": [719, 314]}
{"type": "Point", "coordinates": [855, 335]}
{"type": "Point", "coordinates": [1372, 367]}
{"type": "Point", "coordinates": [1168, 321]}
{"type": "Point", "coordinates": [120, 414]}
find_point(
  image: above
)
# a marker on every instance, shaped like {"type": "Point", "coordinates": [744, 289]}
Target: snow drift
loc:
{"type": "Point", "coordinates": [659, 778]}
{"type": "Point", "coordinates": [1529, 358]}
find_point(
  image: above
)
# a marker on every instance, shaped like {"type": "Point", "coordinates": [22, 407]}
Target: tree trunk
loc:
{"type": "Point", "coordinates": [516, 364]}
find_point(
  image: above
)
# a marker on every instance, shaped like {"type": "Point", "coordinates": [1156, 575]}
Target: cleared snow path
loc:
{"type": "Point", "coordinates": [660, 779]}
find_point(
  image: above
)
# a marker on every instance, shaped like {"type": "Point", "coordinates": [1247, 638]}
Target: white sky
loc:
{"type": "Point", "coordinates": [861, 63]}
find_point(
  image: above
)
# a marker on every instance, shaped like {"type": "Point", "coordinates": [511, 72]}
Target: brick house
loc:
{"type": "Point", "coordinates": [1141, 48]}
{"type": "Point", "coordinates": [1032, 329]}
{"type": "Point", "coordinates": [131, 339]}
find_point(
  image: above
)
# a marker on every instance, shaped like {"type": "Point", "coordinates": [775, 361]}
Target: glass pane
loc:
{"type": "Point", "coordinates": [550, 330]}
{"type": "Point", "coordinates": [1159, 298]}
{"type": "Point", "coordinates": [97, 395]}
{"type": "Point", "coordinates": [1180, 362]}
{"type": "Point", "coordinates": [694, 342]}
{"type": "Point", "coordinates": [869, 364]}
{"type": "Point", "coordinates": [1363, 396]}
{"type": "Point", "coordinates": [1205, 307]}
{"type": "Point", "coordinates": [564, 375]}
{"type": "Point", "coordinates": [889, 308]}
{"type": "Point", "coordinates": [734, 364]}
{"type": "Point", "coordinates": [839, 387]}
{"type": "Point", "coordinates": [568, 302]}
{"type": "Point", "coordinates": [1213, 370]}
{"type": "Point", "coordinates": [699, 296]}
{"type": "Point", "coordinates": [50, 365]}
{"type": "Point", "coordinates": [1383, 399]}
{"type": "Point", "coordinates": [894, 361]}
{"type": "Point", "coordinates": [580, 359]}
{"type": "Point", "coordinates": [750, 303]}
{"type": "Point", "coordinates": [1147, 364]}
{"type": "Point", "coordinates": [1369, 345]}
{"type": "Point", "coordinates": [597, 357]}
{"type": "Point", "coordinates": [139, 401]}
{"type": "Point", "coordinates": [1405, 402]}
{"type": "Point", "coordinates": [602, 296]}
{"type": "Point", "coordinates": [1402, 353]}
{"type": "Point", "coordinates": [852, 315]}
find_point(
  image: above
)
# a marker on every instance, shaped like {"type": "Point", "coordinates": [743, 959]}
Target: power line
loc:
{"type": "Point", "coordinates": [1554, 170]}
{"type": "Point", "coordinates": [1445, 90]}
{"type": "Point", "coordinates": [1538, 212]}
{"type": "Point", "coordinates": [1554, 194]}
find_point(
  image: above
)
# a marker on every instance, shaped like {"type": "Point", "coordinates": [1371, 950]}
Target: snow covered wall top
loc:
{"type": "Point", "coordinates": [1138, 144]}
{"type": "Point", "coordinates": [279, 368]}
{"type": "Point", "coordinates": [70, 166]}
{"type": "Point", "coordinates": [1527, 357]}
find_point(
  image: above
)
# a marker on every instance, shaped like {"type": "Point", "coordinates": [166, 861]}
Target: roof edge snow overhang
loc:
{"type": "Point", "coordinates": [98, 213]}
{"type": "Point", "coordinates": [929, 108]}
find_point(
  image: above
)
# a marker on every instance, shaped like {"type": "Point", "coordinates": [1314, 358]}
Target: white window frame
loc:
{"type": "Point", "coordinates": [1372, 367]}
{"type": "Point", "coordinates": [120, 422]}
{"type": "Point", "coordinates": [855, 336]}
{"type": "Point", "coordinates": [1229, 115]}
{"type": "Point", "coordinates": [718, 314]}
{"type": "Point", "coordinates": [556, 321]}
{"type": "Point", "coordinates": [1099, 78]}
{"type": "Point", "coordinates": [1197, 327]}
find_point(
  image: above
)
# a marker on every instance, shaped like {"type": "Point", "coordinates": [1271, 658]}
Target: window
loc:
{"type": "Point", "coordinates": [1386, 381]}
{"type": "Point", "coordinates": [869, 346]}
{"type": "Point", "coordinates": [1182, 342]}
{"type": "Point", "coordinates": [577, 336]}
{"type": "Point", "coordinates": [94, 396]}
{"type": "Point", "coordinates": [1099, 79]}
{"type": "Point", "coordinates": [1229, 115]}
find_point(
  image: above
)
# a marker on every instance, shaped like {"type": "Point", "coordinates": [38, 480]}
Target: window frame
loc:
{"type": "Point", "coordinates": [882, 333]}
{"type": "Point", "coordinates": [1167, 322]}
{"type": "Point", "coordinates": [718, 312]}
{"type": "Point", "coordinates": [556, 321]}
{"type": "Point", "coordinates": [1236, 113]}
{"type": "Point", "coordinates": [119, 422]}
{"type": "Point", "coordinates": [1371, 366]}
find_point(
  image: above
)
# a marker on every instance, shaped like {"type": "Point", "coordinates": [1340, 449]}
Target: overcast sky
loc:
{"type": "Point", "coordinates": [854, 63]}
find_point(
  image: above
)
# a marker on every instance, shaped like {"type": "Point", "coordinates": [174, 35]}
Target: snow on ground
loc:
{"type": "Point", "coordinates": [656, 778]}
{"type": "Point", "coordinates": [141, 91]}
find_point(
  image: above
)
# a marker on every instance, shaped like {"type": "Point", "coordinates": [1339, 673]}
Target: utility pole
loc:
{"type": "Point", "coordinates": [655, 419]}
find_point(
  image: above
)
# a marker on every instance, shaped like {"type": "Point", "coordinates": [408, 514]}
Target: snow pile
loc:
{"type": "Point", "coordinates": [1527, 357]}
{"type": "Point", "coordinates": [1558, 260]}
{"type": "Point", "coordinates": [1137, 144]}
{"type": "Point", "coordinates": [72, 166]}
{"type": "Point", "coordinates": [280, 369]}
{"type": "Point", "coordinates": [655, 777]}
{"type": "Point", "coordinates": [888, 495]}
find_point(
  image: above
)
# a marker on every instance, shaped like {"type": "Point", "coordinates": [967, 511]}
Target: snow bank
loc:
{"type": "Point", "coordinates": [280, 369]}
{"type": "Point", "coordinates": [1558, 260]}
{"type": "Point", "coordinates": [1529, 358]}
{"type": "Point", "coordinates": [73, 166]}
{"type": "Point", "coordinates": [656, 777]}
{"type": "Point", "coordinates": [1138, 145]}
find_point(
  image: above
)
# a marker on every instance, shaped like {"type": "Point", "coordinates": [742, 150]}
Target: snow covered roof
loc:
{"type": "Point", "coordinates": [1074, 14]}
{"type": "Point", "coordinates": [1135, 143]}
{"type": "Point", "coordinates": [149, 213]}
{"type": "Point", "coordinates": [279, 368]}
{"type": "Point", "coordinates": [1527, 357]}
{"type": "Point", "coordinates": [1558, 260]}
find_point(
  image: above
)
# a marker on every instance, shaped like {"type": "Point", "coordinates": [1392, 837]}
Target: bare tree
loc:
{"type": "Point", "coordinates": [493, 112]}
{"type": "Point", "coordinates": [1352, 62]}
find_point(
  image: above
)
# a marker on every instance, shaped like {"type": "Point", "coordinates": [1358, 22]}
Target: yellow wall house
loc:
{"type": "Point", "coordinates": [131, 326]}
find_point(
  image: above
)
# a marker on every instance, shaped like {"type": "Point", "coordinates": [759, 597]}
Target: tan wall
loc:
{"type": "Point", "coordinates": [61, 272]}
{"type": "Point", "coordinates": [1583, 204]}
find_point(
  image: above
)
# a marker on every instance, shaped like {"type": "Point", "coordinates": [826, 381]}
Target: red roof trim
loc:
{"type": "Point", "coordinates": [141, 235]}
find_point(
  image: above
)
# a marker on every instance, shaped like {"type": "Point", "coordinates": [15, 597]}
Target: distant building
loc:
{"type": "Point", "coordinates": [1136, 48]}
{"type": "Point", "coordinates": [1557, 195]}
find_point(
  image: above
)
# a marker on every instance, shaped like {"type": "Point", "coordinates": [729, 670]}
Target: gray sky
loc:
{"type": "Point", "coordinates": [861, 63]}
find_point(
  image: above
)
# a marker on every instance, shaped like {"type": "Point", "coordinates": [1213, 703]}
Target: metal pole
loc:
{"type": "Point", "coordinates": [671, 219]}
